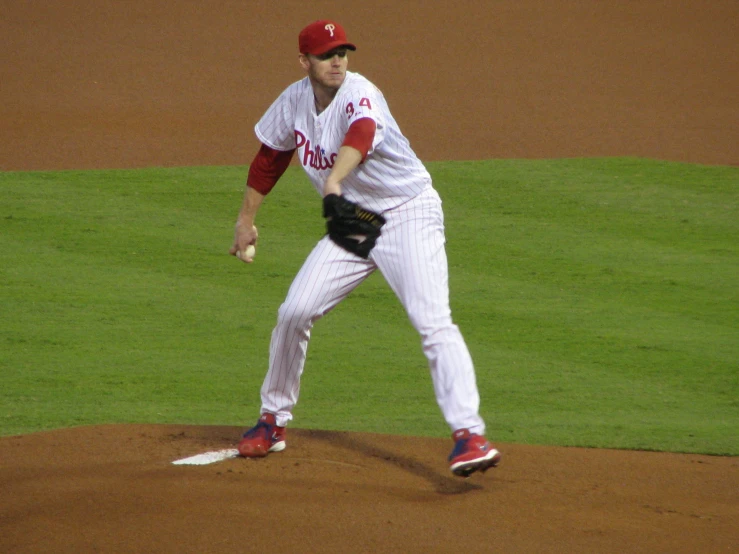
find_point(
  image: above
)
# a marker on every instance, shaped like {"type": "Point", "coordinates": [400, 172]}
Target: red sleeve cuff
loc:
{"type": "Point", "coordinates": [360, 135]}
{"type": "Point", "coordinates": [267, 168]}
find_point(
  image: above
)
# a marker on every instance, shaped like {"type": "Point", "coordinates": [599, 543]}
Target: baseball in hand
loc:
{"type": "Point", "coordinates": [248, 253]}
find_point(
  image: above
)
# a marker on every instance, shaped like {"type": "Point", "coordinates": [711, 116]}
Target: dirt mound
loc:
{"type": "Point", "coordinates": [115, 489]}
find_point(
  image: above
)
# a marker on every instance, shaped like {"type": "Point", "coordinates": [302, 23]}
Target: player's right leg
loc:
{"type": "Point", "coordinates": [328, 275]}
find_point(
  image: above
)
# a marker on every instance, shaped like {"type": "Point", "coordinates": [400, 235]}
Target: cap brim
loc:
{"type": "Point", "coordinates": [331, 45]}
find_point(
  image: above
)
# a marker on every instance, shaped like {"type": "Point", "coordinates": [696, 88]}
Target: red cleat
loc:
{"type": "Point", "coordinates": [471, 453]}
{"type": "Point", "coordinates": [263, 438]}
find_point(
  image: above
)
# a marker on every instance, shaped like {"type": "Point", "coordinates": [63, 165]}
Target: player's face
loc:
{"type": "Point", "coordinates": [327, 70]}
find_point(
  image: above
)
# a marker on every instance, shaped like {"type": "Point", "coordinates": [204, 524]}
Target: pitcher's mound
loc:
{"type": "Point", "coordinates": [115, 489]}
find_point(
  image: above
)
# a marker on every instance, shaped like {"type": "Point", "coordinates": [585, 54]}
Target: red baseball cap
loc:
{"type": "Point", "coordinates": [321, 36]}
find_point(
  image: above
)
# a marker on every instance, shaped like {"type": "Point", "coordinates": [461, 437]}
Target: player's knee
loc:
{"type": "Point", "coordinates": [439, 335]}
{"type": "Point", "coordinates": [295, 317]}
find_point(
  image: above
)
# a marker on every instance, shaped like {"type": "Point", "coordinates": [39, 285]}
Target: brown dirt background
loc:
{"type": "Point", "coordinates": [103, 84]}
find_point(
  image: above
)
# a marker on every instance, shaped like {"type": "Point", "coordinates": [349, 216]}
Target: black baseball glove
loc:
{"type": "Point", "coordinates": [350, 226]}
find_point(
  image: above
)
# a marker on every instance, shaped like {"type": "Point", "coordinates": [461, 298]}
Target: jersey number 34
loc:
{"type": "Point", "coordinates": [364, 102]}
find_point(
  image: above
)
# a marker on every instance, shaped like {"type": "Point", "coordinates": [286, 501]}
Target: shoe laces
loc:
{"type": "Point", "coordinates": [462, 445]}
{"type": "Point", "coordinates": [262, 428]}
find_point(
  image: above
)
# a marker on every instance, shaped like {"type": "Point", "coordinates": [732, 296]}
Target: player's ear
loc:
{"type": "Point", "coordinates": [304, 62]}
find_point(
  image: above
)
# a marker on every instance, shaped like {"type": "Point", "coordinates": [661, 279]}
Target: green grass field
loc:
{"type": "Point", "coordinates": [598, 298]}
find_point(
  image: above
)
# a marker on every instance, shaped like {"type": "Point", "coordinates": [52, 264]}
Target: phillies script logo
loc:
{"type": "Point", "coordinates": [314, 157]}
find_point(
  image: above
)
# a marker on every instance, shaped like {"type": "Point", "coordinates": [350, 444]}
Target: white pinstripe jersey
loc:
{"type": "Point", "coordinates": [390, 175]}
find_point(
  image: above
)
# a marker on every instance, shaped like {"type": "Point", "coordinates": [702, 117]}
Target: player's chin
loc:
{"type": "Point", "coordinates": [334, 80]}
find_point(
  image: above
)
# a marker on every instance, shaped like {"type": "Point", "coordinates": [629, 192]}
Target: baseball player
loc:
{"type": "Point", "coordinates": [381, 213]}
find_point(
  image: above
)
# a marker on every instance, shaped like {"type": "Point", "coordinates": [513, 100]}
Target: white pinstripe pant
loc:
{"type": "Point", "coordinates": [410, 255]}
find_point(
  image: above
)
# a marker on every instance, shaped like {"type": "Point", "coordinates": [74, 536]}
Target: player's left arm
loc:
{"type": "Point", "coordinates": [353, 151]}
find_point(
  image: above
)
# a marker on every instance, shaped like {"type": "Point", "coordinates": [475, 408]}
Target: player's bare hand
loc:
{"type": "Point", "coordinates": [245, 241]}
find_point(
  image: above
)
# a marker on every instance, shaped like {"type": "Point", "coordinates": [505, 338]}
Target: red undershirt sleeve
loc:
{"type": "Point", "coordinates": [360, 135]}
{"type": "Point", "coordinates": [267, 168]}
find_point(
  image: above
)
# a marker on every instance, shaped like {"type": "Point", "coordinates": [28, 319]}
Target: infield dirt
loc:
{"type": "Point", "coordinates": [132, 84]}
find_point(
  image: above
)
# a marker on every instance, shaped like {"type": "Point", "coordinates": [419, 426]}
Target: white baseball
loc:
{"type": "Point", "coordinates": [248, 253]}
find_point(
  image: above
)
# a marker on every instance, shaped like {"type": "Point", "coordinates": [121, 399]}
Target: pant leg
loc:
{"type": "Point", "coordinates": [411, 256]}
{"type": "Point", "coordinates": [327, 276]}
